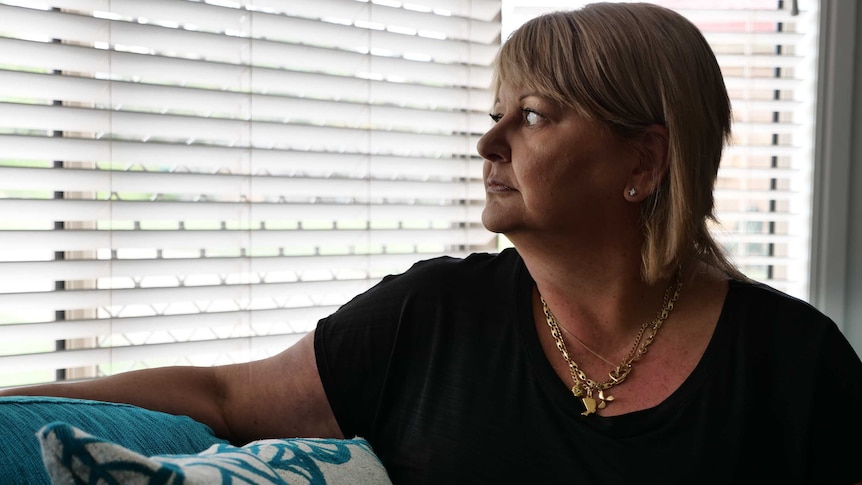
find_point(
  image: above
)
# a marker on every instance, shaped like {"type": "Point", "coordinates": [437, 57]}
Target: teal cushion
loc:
{"type": "Point", "coordinates": [73, 456]}
{"type": "Point", "coordinates": [146, 432]}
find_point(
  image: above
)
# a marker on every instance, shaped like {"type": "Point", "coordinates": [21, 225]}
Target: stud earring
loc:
{"type": "Point", "coordinates": [633, 192]}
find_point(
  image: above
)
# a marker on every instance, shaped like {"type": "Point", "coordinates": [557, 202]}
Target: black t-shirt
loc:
{"type": "Point", "coordinates": [441, 370]}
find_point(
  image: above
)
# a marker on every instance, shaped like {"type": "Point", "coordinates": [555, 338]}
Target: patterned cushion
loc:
{"type": "Point", "coordinates": [141, 430]}
{"type": "Point", "coordinates": [72, 456]}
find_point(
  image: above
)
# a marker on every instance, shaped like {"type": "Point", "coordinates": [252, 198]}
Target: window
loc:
{"type": "Point", "coordinates": [767, 50]}
{"type": "Point", "coordinates": [200, 181]}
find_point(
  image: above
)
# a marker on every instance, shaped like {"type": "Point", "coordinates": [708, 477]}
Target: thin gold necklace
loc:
{"type": "Point", "coordinates": [584, 345]}
{"type": "Point", "coordinates": [592, 393]}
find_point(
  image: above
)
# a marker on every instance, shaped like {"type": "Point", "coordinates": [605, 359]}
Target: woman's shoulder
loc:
{"type": "Point", "coordinates": [761, 298]}
{"type": "Point", "coordinates": [479, 265]}
{"type": "Point", "coordinates": [783, 319]}
{"type": "Point", "coordinates": [444, 276]}
{"type": "Point", "coordinates": [478, 258]}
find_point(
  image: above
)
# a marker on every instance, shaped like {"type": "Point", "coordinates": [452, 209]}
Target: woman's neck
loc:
{"type": "Point", "coordinates": [599, 295]}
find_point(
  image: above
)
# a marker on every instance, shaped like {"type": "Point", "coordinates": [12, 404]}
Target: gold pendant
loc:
{"type": "Point", "coordinates": [604, 399]}
{"type": "Point", "coordinates": [591, 405]}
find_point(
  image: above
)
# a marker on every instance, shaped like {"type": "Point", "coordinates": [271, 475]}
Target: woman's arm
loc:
{"type": "Point", "coordinates": [278, 397]}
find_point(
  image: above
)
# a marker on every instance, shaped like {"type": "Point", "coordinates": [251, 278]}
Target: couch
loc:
{"type": "Point", "coordinates": [59, 440]}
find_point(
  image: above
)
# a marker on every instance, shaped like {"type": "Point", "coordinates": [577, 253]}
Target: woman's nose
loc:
{"type": "Point", "coordinates": [492, 146]}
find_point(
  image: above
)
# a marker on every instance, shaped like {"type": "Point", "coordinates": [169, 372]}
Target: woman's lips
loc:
{"type": "Point", "coordinates": [494, 185]}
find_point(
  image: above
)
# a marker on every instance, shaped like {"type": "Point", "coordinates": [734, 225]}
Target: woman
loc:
{"type": "Point", "coordinates": [615, 343]}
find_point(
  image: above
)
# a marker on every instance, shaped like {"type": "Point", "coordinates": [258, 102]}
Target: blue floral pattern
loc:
{"type": "Point", "coordinates": [73, 456]}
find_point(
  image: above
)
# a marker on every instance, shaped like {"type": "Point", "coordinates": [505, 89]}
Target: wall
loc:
{"type": "Point", "coordinates": [836, 276]}
{"type": "Point", "coordinates": [853, 313]}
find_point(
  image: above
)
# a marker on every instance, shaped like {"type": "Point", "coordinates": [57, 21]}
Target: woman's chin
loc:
{"type": "Point", "coordinates": [497, 220]}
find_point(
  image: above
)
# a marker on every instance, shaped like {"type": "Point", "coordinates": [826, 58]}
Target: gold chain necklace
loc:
{"type": "Point", "coordinates": [584, 345]}
{"type": "Point", "coordinates": [584, 387]}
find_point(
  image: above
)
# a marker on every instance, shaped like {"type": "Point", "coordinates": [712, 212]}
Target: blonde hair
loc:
{"type": "Point", "coordinates": [630, 66]}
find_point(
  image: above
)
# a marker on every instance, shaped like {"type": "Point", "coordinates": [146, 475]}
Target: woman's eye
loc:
{"type": "Point", "coordinates": [531, 117]}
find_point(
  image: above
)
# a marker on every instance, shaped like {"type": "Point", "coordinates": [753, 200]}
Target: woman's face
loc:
{"type": "Point", "coordinates": [551, 171]}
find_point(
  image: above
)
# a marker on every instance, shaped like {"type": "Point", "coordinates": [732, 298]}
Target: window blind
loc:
{"type": "Point", "coordinates": [767, 50]}
{"type": "Point", "coordinates": [198, 182]}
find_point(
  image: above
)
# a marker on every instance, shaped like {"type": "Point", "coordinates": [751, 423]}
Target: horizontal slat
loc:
{"type": "Point", "coordinates": [87, 210]}
{"type": "Point", "coordinates": [240, 293]}
{"type": "Point", "coordinates": [126, 96]}
{"type": "Point", "coordinates": [763, 216]}
{"type": "Point", "coordinates": [236, 187]}
{"type": "Point", "coordinates": [743, 194]}
{"type": "Point", "coordinates": [793, 287]}
{"type": "Point", "coordinates": [185, 129]}
{"type": "Point", "coordinates": [763, 238]}
{"type": "Point", "coordinates": [85, 240]}
{"type": "Point", "coordinates": [768, 128]}
{"type": "Point", "coordinates": [759, 60]}
{"type": "Point", "coordinates": [740, 150]}
{"type": "Point", "coordinates": [69, 269]}
{"type": "Point", "coordinates": [485, 10]}
{"type": "Point", "coordinates": [754, 61]}
{"type": "Point", "coordinates": [763, 83]}
{"type": "Point", "coordinates": [761, 173]}
{"type": "Point", "coordinates": [238, 160]}
{"type": "Point", "coordinates": [746, 40]}
{"type": "Point", "coordinates": [91, 357]}
{"type": "Point", "coordinates": [781, 105]}
{"type": "Point", "coordinates": [77, 329]}
{"type": "Point", "coordinates": [743, 17]}
{"type": "Point", "coordinates": [773, 261]}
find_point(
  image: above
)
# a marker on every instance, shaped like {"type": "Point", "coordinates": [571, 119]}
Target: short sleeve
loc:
{"type": "Point", "coordinates": [352, 348]}
{"type": "Point", "coordinates": [355, 347]}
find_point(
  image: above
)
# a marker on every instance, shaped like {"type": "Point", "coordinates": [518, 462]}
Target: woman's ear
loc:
{"type": "Point", "coordinates": [652, 166]}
